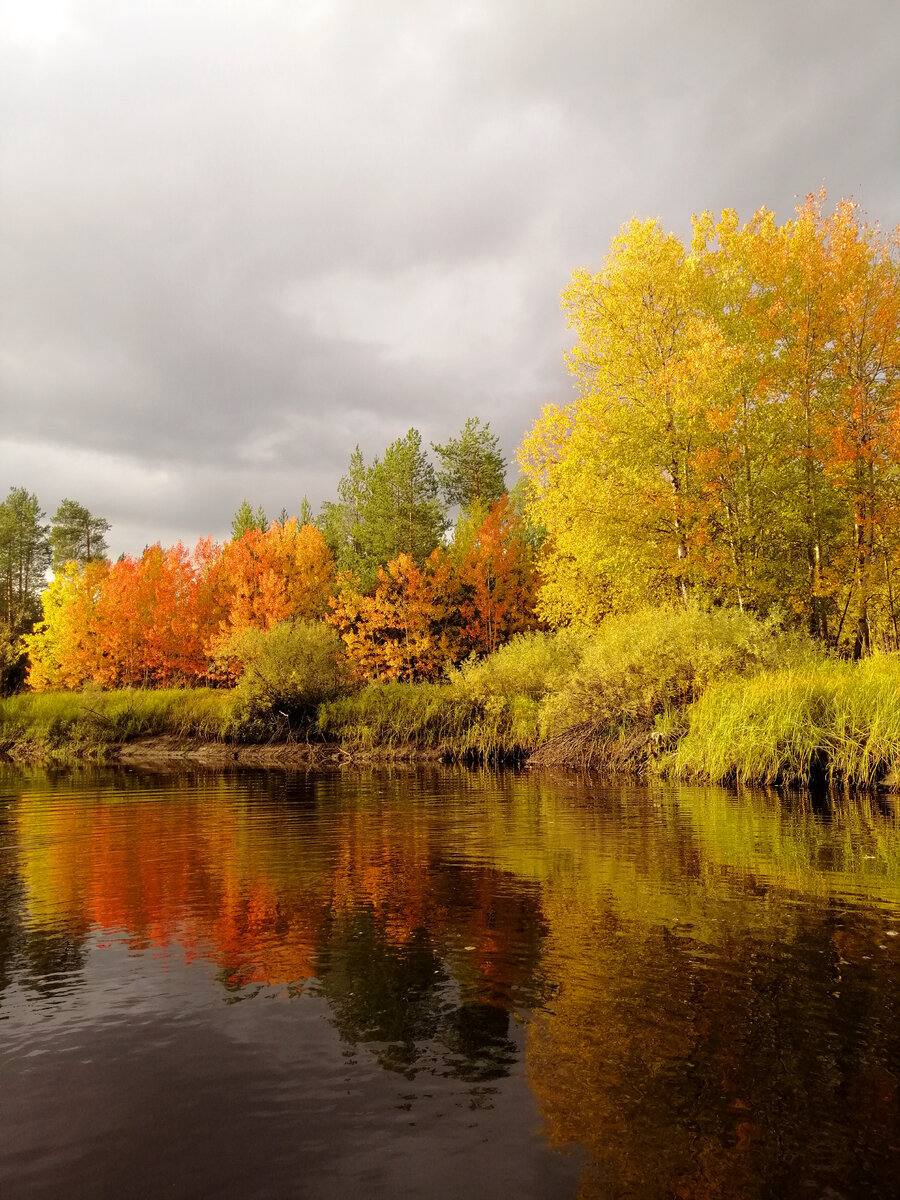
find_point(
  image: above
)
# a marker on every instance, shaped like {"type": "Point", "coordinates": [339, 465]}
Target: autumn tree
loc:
{"type": "Point", "coordinates": [612, 473]}
{"type": "Point", "coordinates": [64, 650]}
{"type": "Point", "coordinates": [494, 582]}
{"type": "Point", "coordinates": [402, 630]}
{"type": "Point", "coordinates": [262, 578]}
{"type": "Point", "coordinates": [76, 535]}
{"type": "Point", "coordinates": [734, 437]}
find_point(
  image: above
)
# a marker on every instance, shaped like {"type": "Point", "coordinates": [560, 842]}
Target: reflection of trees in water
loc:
{"type": "Point", "coordinates": [404, 1002]}
{"type": "Point", "coordinates": [715, 1020]}
{"type": "Point", "coordinates": [418, 954]}
{"type": "Point", "coordinates": [41, 959]}
{"type": "Point", "coordinates": [749, 1069]}
{"type": "Point", "coordinates": [12, 901]}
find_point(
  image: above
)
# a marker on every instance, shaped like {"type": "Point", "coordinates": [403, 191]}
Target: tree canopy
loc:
{"type": "Point", "coordinates": [246, 519]}
{"type": "Point", "coordinates": [385, 510]}
{"type": "Point", "coordinates": [473, 470]}
{"type": "Point", "coordinates": [76, 535]}
{"type": "Point", "coordinates": [736, 434]}
{"type": "Point", "coordinates": [24, 558]}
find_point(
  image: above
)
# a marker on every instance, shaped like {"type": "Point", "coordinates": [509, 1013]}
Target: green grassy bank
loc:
{"type": "Point", "coordinates": [66, 725]}
{"type": "Point", "coordinates": [719, 696]}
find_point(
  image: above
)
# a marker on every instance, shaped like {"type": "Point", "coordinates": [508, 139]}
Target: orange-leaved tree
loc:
{"type": "Point", "coordinates": [149, 626]}
{"type": "Point", "coordinates": [495, 578]}
{"type": "Point", "coordinates": [403, 631]}
{"type": "Point", "coordinates": [266, 577]}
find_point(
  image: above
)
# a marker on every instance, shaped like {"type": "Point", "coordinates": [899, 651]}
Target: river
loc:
{"type": "Point", "coordinates": [444, 983]}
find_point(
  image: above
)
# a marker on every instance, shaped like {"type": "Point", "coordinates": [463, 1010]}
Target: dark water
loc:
{"type": "Point", "coordinates": [444, 985]}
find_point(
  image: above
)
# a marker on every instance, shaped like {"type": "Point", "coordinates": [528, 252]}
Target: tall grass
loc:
{"type": "Point", "coordinates": [838, 721]}
{"type": "Point", "coordinates": [442, 718]}
{"type": "Point", "coordinates": [101, 718]}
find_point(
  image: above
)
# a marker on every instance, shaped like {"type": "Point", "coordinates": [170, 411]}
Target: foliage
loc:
{"type": "Point", "coordinates": [653, 663]}
{"type": "Point", "coordinates": [495, 577]}
{"type": "Point", "coordinates": [288, 669]}
{"type": "Point", "coordinates": [385, 510]}
{"type": "Point", "coordinates": [268, 576]}
{"type": "Point", "coordinates": [154, 620]}
{"type": "Point", "coordinates": [473, 471]}
{"type": "Point", "coordinates": [24, 557]}
{"type": "Point", "coordinates": [735, 437]}
{"type": "Point", "coordinates": [76, 535]}
{"type": "Point", "coordinates": [533, 665]}
{"type": "Point", "coordinates": [12, 661]}
{"type": "Point", "coordinates": [245, 520]}
{"type": "Point", "coordinates": [402, 631]}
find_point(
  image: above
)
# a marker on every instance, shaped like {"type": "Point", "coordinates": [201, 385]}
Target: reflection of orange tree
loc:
{"type": "Point", "coordinates": [169, 874]}
{"type": "Point", "coordinates": [250, 895]}
{"type": "Point", "coordinates": [389, 864]}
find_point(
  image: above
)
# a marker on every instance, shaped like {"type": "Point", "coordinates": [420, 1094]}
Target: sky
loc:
{"type": "Point", "coordinates": [238, 237]}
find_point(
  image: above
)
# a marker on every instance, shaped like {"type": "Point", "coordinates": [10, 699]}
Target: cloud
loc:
{"type": "Point", "coordinates": [240, 238]}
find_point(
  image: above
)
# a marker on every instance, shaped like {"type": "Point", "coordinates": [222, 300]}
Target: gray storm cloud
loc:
{"type": "Point", "coordinates": [238, 238]}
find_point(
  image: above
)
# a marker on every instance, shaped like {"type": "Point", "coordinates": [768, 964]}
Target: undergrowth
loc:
{"type": "Point", "coordinates": [94, 718]}
{"type": "Point", "coordinates": [716, 696]}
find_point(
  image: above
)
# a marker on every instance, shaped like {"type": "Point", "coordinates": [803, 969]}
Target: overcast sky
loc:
{"type": "Point", "coordinates": [239, 236]}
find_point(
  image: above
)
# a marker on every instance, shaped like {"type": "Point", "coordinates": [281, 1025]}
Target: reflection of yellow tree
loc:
{"type": "Point", "coordinates": [722, 1071]}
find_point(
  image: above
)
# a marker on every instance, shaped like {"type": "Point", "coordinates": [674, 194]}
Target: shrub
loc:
{"type": "Point", "coordinates": [530, 665]}
{"type": "Point", "coordinates": [286, 671]}
{"type": "Point", "coordinates": [639, 670]}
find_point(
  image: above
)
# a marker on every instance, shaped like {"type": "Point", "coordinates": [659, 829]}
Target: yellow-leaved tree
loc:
{"type": "Point", "coordinates": [736, 433]}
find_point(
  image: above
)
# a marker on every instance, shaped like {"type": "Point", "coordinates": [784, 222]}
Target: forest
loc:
{"type": "Point", "coordinates": [718, 502]}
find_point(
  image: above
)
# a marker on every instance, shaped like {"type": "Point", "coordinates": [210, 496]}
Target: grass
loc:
{"type": "Point", "coordinates": [834, 721]}
{"type": "Point", "coordinates": [442, 718]}
{"type": "Point", "coordinates": [95, 719]}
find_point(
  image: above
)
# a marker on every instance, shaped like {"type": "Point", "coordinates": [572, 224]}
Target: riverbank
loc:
{"type": "Point", "coordinates": [706, 697]}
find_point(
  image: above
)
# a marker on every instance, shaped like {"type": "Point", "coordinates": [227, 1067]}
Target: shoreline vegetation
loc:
{"type": "Point", "coordinates": [695, 578]}
{"type": "Point", "coordinates": [676, 694]}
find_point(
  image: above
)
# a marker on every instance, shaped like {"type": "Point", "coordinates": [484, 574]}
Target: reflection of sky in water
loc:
{"type": "Point", "coordinates": [429, 980]}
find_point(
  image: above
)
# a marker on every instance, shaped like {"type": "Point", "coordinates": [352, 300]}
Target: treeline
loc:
{"type": "Point", "coordinates": [736, 434]}
{"type": "Point", "coordinates": [379, 565]}
{"type": "Point", "coordinates": [29, 544]}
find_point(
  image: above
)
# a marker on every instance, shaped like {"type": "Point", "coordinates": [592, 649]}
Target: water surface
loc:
{"type": "Point", "coordinates": [444, 984]}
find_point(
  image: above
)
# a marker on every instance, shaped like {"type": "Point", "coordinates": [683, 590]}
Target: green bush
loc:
{"type": "Point", "coordinates": [529, 665]}
{"type": "Point", "coordinates": [286, 671]}
{"type": "Point", "coordinates": [639, 665]}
